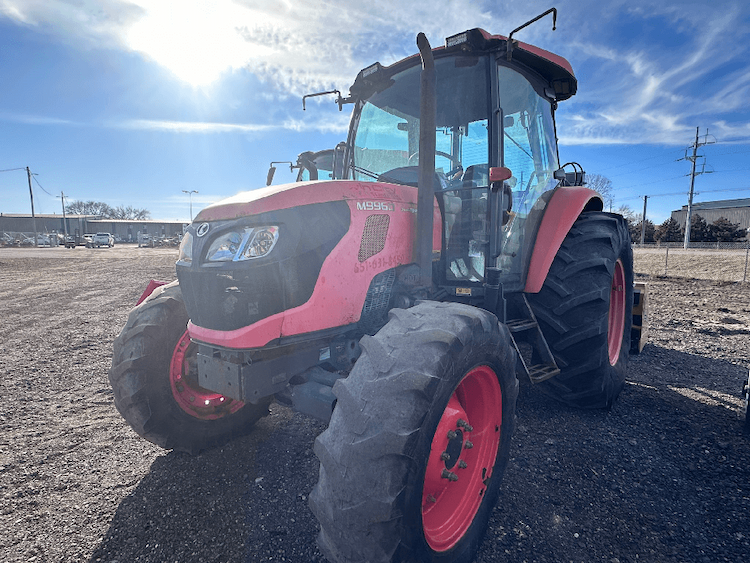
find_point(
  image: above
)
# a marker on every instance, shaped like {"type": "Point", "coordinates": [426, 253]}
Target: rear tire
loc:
{"type": "Point", "coordinates": [585, 311]}
{"type": "Point", "coordinates": [155, 385]}
{"type": "Point", "coordinates": [384, 492]}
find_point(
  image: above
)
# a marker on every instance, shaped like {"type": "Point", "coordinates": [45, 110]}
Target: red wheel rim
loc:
{"type": "Point", "coordinates": [616, 321]}
{"type": "Point", "coordinates": [191, 397]}
{"type": "Point", "coordinates": [462, 458]}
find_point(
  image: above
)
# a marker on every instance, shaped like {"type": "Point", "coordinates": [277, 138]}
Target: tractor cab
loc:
{"type": "Point", "coordinates": [494, 108]}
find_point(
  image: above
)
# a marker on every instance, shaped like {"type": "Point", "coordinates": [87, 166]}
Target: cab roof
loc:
{"type": "Point", "coordinates": [554, 69]}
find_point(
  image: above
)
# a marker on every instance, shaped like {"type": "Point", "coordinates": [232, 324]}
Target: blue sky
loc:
{"type": "Point", "coordinates": [131, 102]}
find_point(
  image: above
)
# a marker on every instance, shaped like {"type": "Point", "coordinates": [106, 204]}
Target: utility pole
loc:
{"type": "Point", "coordinates": [643, 221]}
{"type": "Point", "coordinates": [693, 174]}
{"type": "Point", "coordinates": [190, 193]}
{"type": "Point", "coordinates": [65, 222]}
{"type": "Point", "coordinates": [33, 217]}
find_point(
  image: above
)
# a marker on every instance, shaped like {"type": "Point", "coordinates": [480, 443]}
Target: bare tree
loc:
{"type": "Point", "coordinates": [630, 216]}
{"type": "Point", "coordinates": [603, 185]}
{"type": "Point", "coordinates": [78, 207]}
{"type": "Point", "coordinates": [104, 211]}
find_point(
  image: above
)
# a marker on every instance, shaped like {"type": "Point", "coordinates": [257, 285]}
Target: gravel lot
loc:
{"type": "Point", "coordinates": [662, 477]}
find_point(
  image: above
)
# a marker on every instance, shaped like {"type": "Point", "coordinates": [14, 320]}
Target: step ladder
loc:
{"type": "Point", "coordinates": [526, 329]}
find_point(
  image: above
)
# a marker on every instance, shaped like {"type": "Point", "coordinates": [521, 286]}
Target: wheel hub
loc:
{"type": "Point", "coordinates": [616, 317]}
{"type": "Point", "coordinates": [191, 397]}
{"type": "Point", "coordinates": [462, 457]}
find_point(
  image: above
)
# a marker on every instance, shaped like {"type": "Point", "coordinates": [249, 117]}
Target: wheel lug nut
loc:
{"type": "Point", "coordinates": [449, 475]}
{"type": "Point", "coordinates": [468, 445]}
{"type": "Point", "coordinates": [452, 435]}
{"type": "Point", "coordinates": [445, 456]}
{"type": "Point", "coordinates": [465, 425]}
{"type": "Point", "coordinates": [462, 464]}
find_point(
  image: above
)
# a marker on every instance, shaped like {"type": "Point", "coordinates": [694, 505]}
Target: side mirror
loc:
{"type": "Point", "coordinates": [269, 178]}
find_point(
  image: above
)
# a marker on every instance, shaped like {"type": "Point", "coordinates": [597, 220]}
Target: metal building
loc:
{"type": "Point", "coordinates": [735, 210]}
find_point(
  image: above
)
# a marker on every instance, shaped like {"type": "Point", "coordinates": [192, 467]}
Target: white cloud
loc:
{"type": "Point", "coordinates": [35, 119]}
{"type": "Point", "coordinates": [191, 126]}
{"type": "Point", "coordinates": [637, 88]}
{"type": "Point", "coordinates": [322, 125]}
{"type": "Point", "coordinates": [646, 93]}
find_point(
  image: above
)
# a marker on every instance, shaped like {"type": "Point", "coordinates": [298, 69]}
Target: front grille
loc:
{"type": "Point", "coordinates": [231, 295]}
{"type": "Point", "coordinates": [373, 238]}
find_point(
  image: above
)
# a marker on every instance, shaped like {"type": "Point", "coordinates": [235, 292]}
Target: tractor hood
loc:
{"type": "Point", "coordinates": [365, 195]}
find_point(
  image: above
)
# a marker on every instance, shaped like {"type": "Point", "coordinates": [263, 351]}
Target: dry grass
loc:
{"type": "Point", "coordinates": [701, 264]}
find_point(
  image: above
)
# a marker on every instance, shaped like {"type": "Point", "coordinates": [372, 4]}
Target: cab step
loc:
{"type": "Point", "coordinates": [526, 329]}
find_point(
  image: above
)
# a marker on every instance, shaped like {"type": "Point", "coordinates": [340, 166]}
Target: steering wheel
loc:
{"type": "Point", "coordinates": [454, 160]}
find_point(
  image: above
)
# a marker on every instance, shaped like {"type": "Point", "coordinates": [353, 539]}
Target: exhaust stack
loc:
{"type": "Point", "coordinates": [426, 193]}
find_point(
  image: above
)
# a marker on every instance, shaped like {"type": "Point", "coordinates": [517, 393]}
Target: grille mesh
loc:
{"type": "Point", "coordinates": [373, 238]}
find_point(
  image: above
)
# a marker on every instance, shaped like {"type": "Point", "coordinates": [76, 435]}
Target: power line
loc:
{"type": "Point", "coordinates": [636, 171]}
{"type": "Point", "coordinates": [38, 184]}
{"type": "Point", "coordinates": [640, 160]}
{"type": "Point", "coordinates": [12, 169]}
{"type": "Point", "coordinates": [684, 193]}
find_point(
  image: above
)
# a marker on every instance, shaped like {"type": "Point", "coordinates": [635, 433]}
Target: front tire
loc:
{"type": "Point", "coordinates": [411, 463]}
{"type": "Point", "coordinates": [585, 311]}
{"type": "Point", "coordinates": [154, 380]}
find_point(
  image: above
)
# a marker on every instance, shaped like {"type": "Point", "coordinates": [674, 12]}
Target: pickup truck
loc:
{"type": "Point", "coordinates": [103, 239]}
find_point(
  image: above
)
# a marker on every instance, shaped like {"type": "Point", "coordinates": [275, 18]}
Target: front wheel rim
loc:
{"type": "Point", "coordinates": [192, 398]}
{"type": "Point", "coordinates": [462, 458]}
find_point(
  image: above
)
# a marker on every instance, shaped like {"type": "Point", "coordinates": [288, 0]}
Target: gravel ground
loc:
{"type": "Point", "coordinates": [664, 476]}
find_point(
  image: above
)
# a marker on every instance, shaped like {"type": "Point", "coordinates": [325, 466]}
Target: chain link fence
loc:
{"type": "Point", "coordinates": [719, 261]}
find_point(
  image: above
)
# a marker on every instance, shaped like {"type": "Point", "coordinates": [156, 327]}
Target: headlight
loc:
{"type": "Point", "coordinates": [261, 242]}
{"type": "Point", "coordinates": [250, 243]}
{"type": "Point", "coordinates": [186, 248]}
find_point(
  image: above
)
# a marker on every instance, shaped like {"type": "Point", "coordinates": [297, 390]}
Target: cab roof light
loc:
{"type": "Point", "coordinates": [372, 69]}
{"type": "Point", "coordinates": [457, 39]}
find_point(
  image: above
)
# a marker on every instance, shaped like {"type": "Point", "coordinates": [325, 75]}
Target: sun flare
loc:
{"type": "Point", "coordinates": [197, 40]}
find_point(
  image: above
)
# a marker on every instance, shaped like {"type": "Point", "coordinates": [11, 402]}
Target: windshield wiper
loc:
{"type": "Point", "coordinates": [364, 171]}
{"type": "Point", "coordinates": [518, 145]}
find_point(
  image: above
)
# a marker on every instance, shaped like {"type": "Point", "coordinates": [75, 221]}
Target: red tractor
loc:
{"type": "Point", "coordinates": [399, 303]}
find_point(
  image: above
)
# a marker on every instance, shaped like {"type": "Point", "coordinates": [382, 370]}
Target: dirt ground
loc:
{"type": "Point", "coordinates": [664, 476]}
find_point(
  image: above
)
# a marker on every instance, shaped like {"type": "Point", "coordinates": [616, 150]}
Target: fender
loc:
{"type": "Point", "coordinates": [152, 285]}
{"type": "Point", "coordinates": [564, 207]}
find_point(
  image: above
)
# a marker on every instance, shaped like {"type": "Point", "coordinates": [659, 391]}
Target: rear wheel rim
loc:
{"type": "Point", "coordinates": [462, 458]}
{"type": "Point", "coordinates": [192, 398]}
{"type": "Point", "coordinates": [616, 319]}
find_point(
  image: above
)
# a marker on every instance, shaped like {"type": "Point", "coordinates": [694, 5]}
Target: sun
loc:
{"type": "Point", "coordinates": [197, 40]}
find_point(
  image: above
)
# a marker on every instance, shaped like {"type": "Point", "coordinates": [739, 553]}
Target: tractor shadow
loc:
{"type": "Point", "coordinates": [662, 476]}
{"type": "Point", "coordinates": [243, 502]}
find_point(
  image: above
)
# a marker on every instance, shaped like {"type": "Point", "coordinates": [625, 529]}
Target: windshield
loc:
{"type": "Point", "coordinates": [386, 148]}
{"type": "Point", "coordinates": [387, 137]}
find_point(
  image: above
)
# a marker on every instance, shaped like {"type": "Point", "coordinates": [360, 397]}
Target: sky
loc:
{"type": "Point", "coordinates": [136, 102]}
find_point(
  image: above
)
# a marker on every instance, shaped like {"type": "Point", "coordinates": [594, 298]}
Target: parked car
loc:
{"type": "Point", "coordinates": [103, 239]}
{"type": "Point", "coordinates": [76, 240]}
